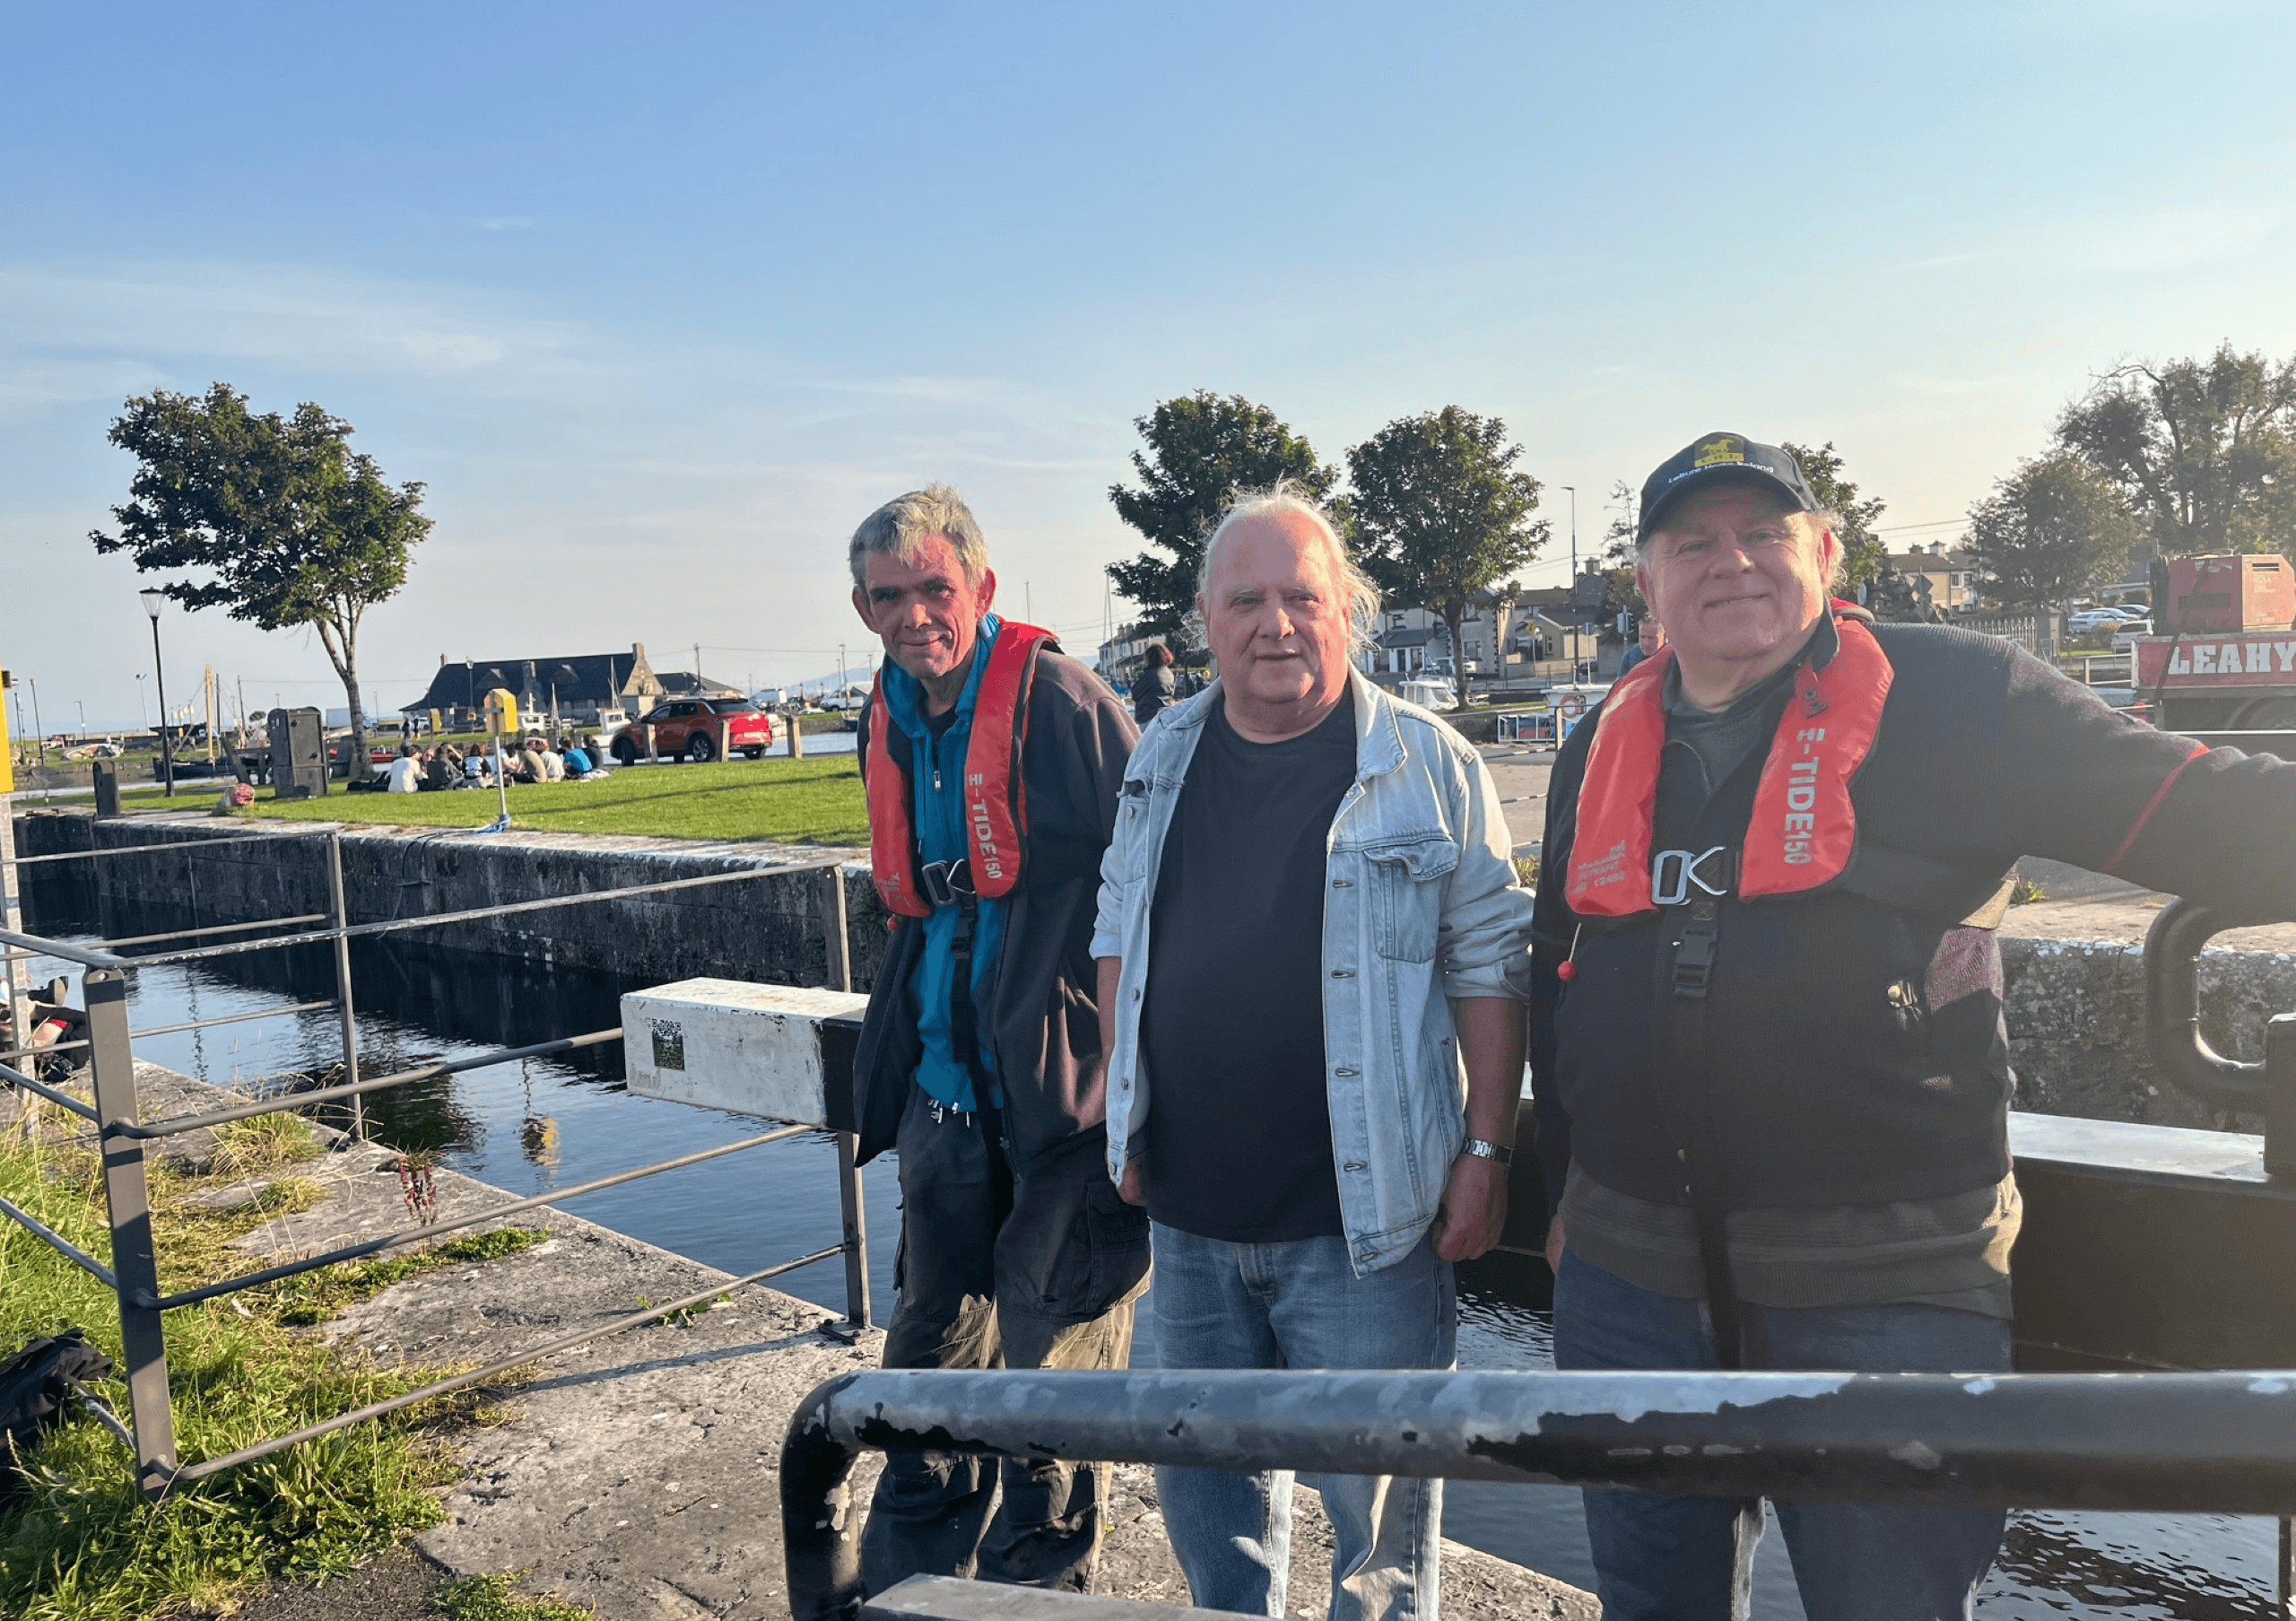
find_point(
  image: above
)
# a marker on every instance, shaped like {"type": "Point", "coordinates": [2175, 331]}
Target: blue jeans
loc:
{"type": "Point", "coordinates": [1692, 1558]}
{"type": "Point", "coordinates": [1300, 1304]}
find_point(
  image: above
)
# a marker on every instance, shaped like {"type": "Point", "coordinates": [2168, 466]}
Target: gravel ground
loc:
{"type": "Point", "coordinates": [397, 1586]}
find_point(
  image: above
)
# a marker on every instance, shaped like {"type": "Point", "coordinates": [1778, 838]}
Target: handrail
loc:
{"type": "Point", "coordinates": [176, 1125]}
{"type": "Point", "coordinates": [43, 946]}
{"type": "Point", "coordinates": [137, 850]}
{"type": "Point", "coordinates": [2183, 1443]}
{"type": "Point", "coordinates": [394, 925]}
{"type": "Point", "coordinates": [2172, 948]}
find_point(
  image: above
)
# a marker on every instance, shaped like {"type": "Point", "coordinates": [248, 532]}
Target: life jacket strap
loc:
{"type": "Point", "coordinates": [945, 883]}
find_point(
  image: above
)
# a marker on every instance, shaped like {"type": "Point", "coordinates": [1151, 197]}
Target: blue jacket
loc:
{"type": "Point", "coordinates": [937, 781]}
{"type": "Point", "coordinates": [1423, 906]}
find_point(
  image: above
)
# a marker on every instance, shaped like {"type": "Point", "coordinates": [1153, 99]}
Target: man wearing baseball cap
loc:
{"type": "Point", "coordinates": [1771, 1075]}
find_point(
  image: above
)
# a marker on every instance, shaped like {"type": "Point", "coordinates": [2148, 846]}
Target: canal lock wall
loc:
{"type": "Point", "coordinates": [2074, 1006]}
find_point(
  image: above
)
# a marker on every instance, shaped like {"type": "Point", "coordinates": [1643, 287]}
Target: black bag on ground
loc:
{"type": "Point", "coordinates": [34, 1385]}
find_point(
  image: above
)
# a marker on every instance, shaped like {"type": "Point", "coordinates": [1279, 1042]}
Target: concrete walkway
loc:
{"type": "Point", "coordinates": [639, 1475]}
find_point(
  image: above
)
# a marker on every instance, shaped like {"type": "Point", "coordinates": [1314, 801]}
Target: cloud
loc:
{"type": "Point", "coordinates": [307, 317]}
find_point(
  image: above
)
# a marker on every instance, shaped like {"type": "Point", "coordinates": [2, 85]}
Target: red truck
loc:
{"type": "Point", "coordinates": [2226, 658]}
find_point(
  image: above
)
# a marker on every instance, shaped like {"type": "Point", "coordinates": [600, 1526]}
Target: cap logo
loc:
{"type": "Point", "coordinates": [1714, 452]}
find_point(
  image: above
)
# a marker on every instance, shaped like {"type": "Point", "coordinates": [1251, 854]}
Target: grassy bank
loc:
{"type": "Point", "coordinates": [811, 801]}
{"type": "Point", "coordinates": [79, 1544]}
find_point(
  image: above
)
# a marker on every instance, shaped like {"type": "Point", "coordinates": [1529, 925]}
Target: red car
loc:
{"type": "Point", "coordinates": [689, 727]}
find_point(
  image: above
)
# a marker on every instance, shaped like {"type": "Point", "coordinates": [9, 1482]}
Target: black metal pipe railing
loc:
{"type": "Point", "coordinates": [176, 1125]}
{"type": "Point", "coordinates": [155, 1302]}
{"type": "Point", "coordinates": [233, 1018]}
{"type": "Point", "coordinates": [215, 929]}
{"type": "Point", "coordinates": [2172, 948]}
{"type": "Point", "coordinates": [62, 1100]}
{"type": "Point", "coordinates": [360, 931]}
{"type": "Point", "coordinates": [84, 957]}
{"type": "Point", "coordinates": [2179, 1442]}
{"type": "Point", "coordinates": [496, 1368]}
{"type": "Point", "coordinates": [58, 1241]}
{"type": "Point", "coordinates": [167, 844]}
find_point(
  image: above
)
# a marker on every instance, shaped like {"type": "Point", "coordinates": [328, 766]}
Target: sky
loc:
{"type": "Point", "coordinates": [659, 302]}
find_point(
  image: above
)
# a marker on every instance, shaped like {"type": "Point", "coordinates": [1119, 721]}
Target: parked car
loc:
{"type": "Point", "coordinates": [2089, 619]}
{"type": "Point", "coordinates": [688, 728]}
{"type": "Point", "coordinates": [2125, 638]}
{"type": "Point", "coordinates": [851, 698]}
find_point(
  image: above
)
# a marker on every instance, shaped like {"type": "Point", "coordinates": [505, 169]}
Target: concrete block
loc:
{"type": "Point", "coordinates": [782, 1051]}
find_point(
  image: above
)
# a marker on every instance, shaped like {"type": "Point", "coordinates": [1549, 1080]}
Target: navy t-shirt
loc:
{"type": "Point", "coordinates": [1239, 1118]}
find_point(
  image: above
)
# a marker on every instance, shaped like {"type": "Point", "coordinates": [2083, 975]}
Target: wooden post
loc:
{"type": "Point", "coordinates": [796, 734]}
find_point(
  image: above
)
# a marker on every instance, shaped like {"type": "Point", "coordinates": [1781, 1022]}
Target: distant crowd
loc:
{"type": "Point", "coordinates": [444, 767]}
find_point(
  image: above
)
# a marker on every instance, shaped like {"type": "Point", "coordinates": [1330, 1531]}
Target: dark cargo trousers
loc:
{"type": "Point", "coordinates": [1000, 1272]}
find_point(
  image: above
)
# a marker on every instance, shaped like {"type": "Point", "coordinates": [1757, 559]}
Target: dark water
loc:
{"type": "Point", "coordinates": [541, 1124]}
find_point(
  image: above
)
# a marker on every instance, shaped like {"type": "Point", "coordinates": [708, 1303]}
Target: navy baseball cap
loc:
{"type": "Point", "coordinates": [1715, 458]}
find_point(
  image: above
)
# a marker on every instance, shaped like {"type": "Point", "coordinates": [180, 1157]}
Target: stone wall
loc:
{"type": "Point", "coordinates": [766, 927]}
{"type": "Point", "coordinates": [2075, 1007]}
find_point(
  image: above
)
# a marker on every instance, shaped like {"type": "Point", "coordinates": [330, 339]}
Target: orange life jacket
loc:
{"type": "Point", "coordinates": [1804, 827]}
{"type": "Point", "coordinates": [997, 816]}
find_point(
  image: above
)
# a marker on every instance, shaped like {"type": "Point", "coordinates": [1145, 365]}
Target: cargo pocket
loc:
{"type": "Point", "coordinates": [1409, 880]}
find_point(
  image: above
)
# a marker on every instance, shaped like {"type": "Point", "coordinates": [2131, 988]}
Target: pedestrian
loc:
{"type": "Point", "coordinates": [405, 774]}
{"type": "Point", "coordinates": [1771, 1074]}
{"type": "Point", "coordinates": [1153, 689]}
{"type": "Point", "coordinates": [1312, 955]}
{"type": "Point", "coordinates": [979, 1057]}
{"type": "Point", "coordinates": [1649, 636]}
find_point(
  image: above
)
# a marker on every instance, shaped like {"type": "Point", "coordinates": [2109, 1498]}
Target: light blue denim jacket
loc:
{"type": "Point", "coordinates": [1423, 907]}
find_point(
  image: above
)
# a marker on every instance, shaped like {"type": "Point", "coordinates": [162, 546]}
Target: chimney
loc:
{"type": "Point", "coordinates": [637, 652]}
{"type": "Point", "coordinates": [442, 661]}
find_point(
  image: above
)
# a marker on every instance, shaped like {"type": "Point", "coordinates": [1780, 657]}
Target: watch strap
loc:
{"type": "Point", "coordinates": [1483, 1150]}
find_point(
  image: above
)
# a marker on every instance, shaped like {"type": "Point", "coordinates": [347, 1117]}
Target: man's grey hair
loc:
{"type": "Point", "coordinates": [901, 527]}
{"type": "Point", "coordinates": [1290, 495]}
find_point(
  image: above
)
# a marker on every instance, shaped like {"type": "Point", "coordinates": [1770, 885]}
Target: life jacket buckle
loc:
{"type": "Point", "coordinates": [946, 883]}
{"type": "Point", "coordinates": [1673, 871]}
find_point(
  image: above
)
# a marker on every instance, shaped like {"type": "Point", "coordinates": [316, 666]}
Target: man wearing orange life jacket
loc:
{"type": "Point", "coordinates": [1767, 1043]}
{"type": "Point", "coordinates": [993, 765]}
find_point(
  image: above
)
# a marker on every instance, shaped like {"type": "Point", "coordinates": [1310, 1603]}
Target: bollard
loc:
{"type": "Point", "coordinates": [724, 740]}
{"type": "Point", "coordinates": [796, 736]}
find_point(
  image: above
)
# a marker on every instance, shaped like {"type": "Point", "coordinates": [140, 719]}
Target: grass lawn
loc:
{"type": "Point", "coordinates": [811, 801]}
{"type": "Point", "coordinates": [76, 1542]}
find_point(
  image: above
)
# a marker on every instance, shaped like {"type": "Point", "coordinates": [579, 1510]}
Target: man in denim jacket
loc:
{"type": "Point", "coordinates": [1312, 952]}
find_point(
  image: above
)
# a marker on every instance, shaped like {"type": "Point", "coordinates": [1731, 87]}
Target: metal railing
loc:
{"type": "Point", "coordinates": [122, 1135]}
{"type": "Point", "coordinates": [2221, 1443]}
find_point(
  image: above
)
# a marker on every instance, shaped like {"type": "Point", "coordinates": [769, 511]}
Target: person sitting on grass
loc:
{"type": "Point", "coordinates": [579, 763]}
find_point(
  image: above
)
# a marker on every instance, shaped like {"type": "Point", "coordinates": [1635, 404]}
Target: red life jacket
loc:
{"type": "Point", "coordinates": [1804, 827]}
{"type": "Point", "coordinates": [996, 817]}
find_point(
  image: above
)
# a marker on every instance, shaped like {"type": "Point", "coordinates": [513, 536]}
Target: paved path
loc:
{"type": "Point", "coordinates": [639, 1473]}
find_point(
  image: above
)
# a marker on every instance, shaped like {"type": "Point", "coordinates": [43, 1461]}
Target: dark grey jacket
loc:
{"type": "Point", "coordinates": [1037, 1019]}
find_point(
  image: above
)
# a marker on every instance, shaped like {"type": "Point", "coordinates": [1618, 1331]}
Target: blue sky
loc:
{"type": "Point", "coordinates": [660, 302]}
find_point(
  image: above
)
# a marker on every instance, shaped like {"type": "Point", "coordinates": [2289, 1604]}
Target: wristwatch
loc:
{"type": "Point", "coordinates": [1489, 1151]}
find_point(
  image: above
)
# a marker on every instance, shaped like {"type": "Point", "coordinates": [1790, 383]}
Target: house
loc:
{"type": "Point", "coordinates": [1121, 656]}
{"type": "Point", "coordinates": [1951, 575]}
{"type": "Point", "coordinates": [584, 689]}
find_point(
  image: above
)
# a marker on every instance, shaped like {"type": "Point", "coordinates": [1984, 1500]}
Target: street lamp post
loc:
{"type": "Point", "coordinates": [1573, 491]}
{"type": "Point", "coordinates": [152, 599]}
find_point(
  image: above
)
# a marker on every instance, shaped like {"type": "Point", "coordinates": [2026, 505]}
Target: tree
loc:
{"type": "Point", "coordinates": [1862, 550]}
{"type": "Point", "coordinates": [285, 523]}
{"type": "Point", "coordinates": [1201, 451]}
{"type": "Point", "coordinates": [2205, 451]}
{"type": "Point", "coordinates": [2047, 531]}
{"type": "Point", "coordinates": [1442, 513]}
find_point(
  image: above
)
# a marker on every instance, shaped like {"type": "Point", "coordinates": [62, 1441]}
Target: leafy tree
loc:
{"type": "Point", "coordinates": [2047, 531]}
{"type": "Point", "coordinates": [2205, 451]}
{"type": "Point", "coordinates": [1443, 514]}
{"type": "Point", "coordinates": [282, 522]}
{"type": "Point", "coordinates": [1201, 451]}
{"type": "Point", "coordinates": [1862, 550]}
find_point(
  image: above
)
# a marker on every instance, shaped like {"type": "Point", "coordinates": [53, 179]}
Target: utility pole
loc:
{"type": "Point", "coordinates": [40, 730]}
{"type": "Point", "coordinates": [1573, 490]}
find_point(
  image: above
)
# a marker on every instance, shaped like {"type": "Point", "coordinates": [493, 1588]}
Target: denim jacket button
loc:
{"type": "Point", "coordinates": [1342, 974]}
{"type": "Point", "coordinates": [1352, 1166]}
{"type": "Point", "coordinates": [1344, 1072]}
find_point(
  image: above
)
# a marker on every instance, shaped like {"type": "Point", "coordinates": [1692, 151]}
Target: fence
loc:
{"type": "Point", "coordinates": [121, 1133]}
